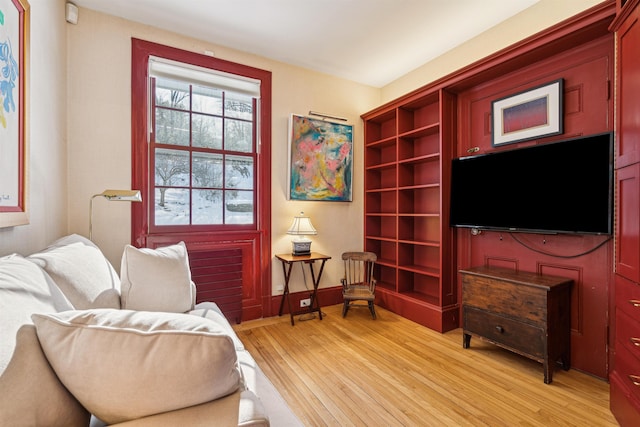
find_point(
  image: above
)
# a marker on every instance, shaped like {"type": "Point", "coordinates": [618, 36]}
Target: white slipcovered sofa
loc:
{"type": "Point", "coordinates": [81, 346]}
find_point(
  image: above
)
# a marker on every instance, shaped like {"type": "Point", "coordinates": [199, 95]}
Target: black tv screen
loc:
{"type": "Point", "coordinates": [559, 187]}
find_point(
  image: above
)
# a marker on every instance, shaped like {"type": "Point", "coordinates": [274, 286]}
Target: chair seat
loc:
{"type": "Point", "coordinates": [359, 292]}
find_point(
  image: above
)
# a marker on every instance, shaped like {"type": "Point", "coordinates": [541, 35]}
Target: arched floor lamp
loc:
{"type": "Point", "coordinates": [113, 196]}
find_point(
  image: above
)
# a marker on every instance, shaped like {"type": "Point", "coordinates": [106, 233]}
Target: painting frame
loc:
{"type": "Point", "coordinates": [528, 115]}
{"type": "Point", "coordinates": [14, 67]}
{"type": "Point", "coordinates": [320, 159]}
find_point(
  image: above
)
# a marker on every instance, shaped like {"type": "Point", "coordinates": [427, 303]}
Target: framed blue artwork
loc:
{"type": "Point", "coordinates": [14, 41]}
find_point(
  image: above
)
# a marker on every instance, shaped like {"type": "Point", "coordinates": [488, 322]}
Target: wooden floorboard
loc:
{"type": "Point", "coordinates": [356, 371]}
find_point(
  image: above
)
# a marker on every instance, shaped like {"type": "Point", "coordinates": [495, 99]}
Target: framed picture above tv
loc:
{"type": "Point", "coordinates": [527, 115]}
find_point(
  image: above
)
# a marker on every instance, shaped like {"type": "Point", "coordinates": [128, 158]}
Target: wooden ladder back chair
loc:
{"type": "Point", "coordinates": [358, 283]}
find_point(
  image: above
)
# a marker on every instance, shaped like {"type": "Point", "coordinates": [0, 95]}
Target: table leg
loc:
{"type": "Point", "coordinates": [466, 340]}
{"type": "Point", "coordinates": [548, 370]}
{"type": "Point", "coordinates": [314, 303]}
{"type": "Point", "coordinates": [285, 294]}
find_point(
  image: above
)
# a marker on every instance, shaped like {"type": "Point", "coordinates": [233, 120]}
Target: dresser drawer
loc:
{"type": "Point", "coordinates": [502, 297]}
{"type": "Point", "coordinates": [628, 333]}
{"type": "Point", "coordinates": [519, 336]}
{"type": "Point", "coordinates": [623, 405]}
{"type": "Point", "coordinates": [628, 297]}
{"type": "Point", "coordinates": [628, 369]}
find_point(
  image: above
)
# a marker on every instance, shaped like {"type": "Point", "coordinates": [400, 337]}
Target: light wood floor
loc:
{"type": "Point", "coordinates": [394, 372]}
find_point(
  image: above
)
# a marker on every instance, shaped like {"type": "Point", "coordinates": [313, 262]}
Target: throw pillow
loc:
{"type": "Point", "coordinates": [123, 364]}
{"type": "Point", "coordinates": [81, 271]}
{"type": "Point", "coordinates": [157, 279]}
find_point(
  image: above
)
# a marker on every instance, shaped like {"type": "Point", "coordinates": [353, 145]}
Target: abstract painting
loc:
{"type": "Point", "coordinates": [320, 159]}
{"type": "Point", "coordinates": [14, 24]}
{"type": "Point", "coordinates": [528, 115]}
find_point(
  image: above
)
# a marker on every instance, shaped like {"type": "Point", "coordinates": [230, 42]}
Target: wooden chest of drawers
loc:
{"type": "Point", "coordinates": [526, 313]}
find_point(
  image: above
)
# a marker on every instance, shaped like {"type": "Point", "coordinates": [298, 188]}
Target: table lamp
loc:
{"type": "Point", "coordinates": [301, 227]}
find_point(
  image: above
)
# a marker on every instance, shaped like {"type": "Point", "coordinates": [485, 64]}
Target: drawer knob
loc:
{"type": "Point", "coordinates": [635, 379]}
{"type": "Point", "coordinates": [634, 302]}
{"type": "Point", "coordinates": [500, 329]}
{"type": "Point", "coordinates": [635, 341]}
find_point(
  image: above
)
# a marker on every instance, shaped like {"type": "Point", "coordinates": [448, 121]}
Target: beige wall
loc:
{"type": "Point", "coordinates": [541, 15]}
{"type": "Point", "coordinates": [99, 90]}
{"type": "Point", "coordinates": [46, 128]}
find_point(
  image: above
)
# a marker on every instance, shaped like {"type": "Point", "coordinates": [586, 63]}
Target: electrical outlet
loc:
{"type": "Point", "coordinates": [305, 302]}
{"type": "Point", "coordinates": [280, 289]}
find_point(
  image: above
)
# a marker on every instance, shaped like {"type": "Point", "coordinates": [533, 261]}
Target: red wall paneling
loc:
{"type": "Point", "coordinates": [627, 226]}
{"type": "Point", "coordinates": [587, 71]}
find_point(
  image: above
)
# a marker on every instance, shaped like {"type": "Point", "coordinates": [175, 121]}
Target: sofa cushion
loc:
{"type": "Point", "coordinates": [157, 279]}
{"type": "Point", "coordinates": [211, 311]}
{"type": "Point", "coordinates": [81, 271]}
{"type": "Point", "coordinates": [31, 394]}
{"type": "Point", "coordinates": [124, 364]}
{"type": "Point", "coordinates": [242, 408]}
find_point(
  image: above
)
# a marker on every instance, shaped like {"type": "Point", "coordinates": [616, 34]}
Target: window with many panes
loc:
{"type": "Point", "coordinates": [203, 148]}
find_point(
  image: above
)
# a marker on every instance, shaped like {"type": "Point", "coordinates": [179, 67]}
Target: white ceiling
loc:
{"type": "Point", "coordinates": [368, 41]}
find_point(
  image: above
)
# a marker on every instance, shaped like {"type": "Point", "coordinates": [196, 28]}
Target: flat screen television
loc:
{"type": "Point", "coordinates": [559, 187]}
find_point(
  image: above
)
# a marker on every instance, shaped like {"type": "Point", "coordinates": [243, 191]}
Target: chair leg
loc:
{"type": "Point", "coordinates": [372, 310]}
{"type": "Point", "coordinates": [345, 308]}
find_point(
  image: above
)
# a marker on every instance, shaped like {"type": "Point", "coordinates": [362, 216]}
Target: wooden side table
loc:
{"type": "Point", "coordinates": [287, 263]}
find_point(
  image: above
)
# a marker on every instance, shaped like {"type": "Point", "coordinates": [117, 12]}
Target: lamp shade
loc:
{"type": "Point", "coordinates": [301, 225]}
